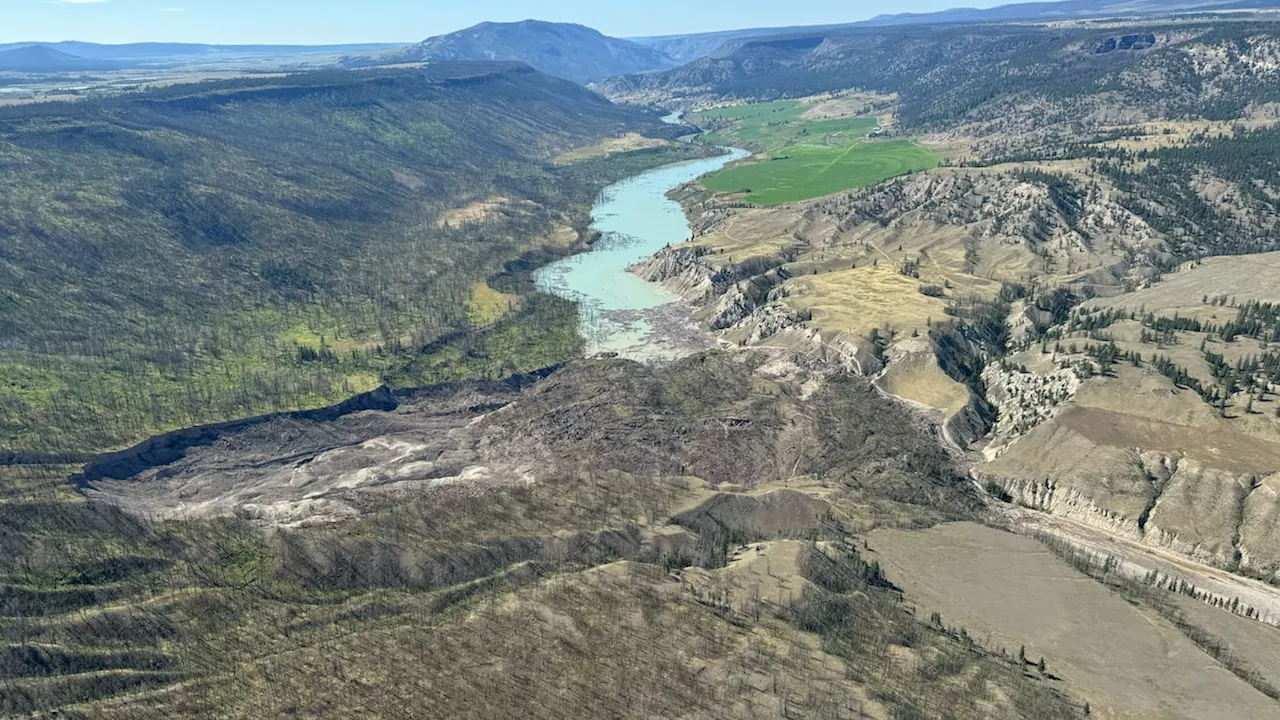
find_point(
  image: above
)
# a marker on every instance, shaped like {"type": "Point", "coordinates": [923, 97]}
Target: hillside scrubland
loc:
{"type": "Point", "coordinates": [1066, 329]}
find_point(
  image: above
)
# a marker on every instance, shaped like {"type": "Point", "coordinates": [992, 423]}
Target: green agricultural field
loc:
{"type": "Point", "coordinates": [801, 172]}
{"type": "Point", "coordinates": [800, 159]}
{"type": "Point", "coordinates": [763, 124]}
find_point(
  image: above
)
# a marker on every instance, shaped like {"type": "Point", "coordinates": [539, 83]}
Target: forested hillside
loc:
{"type": "Point", "coordinates": [1033, 85]}
{"type": "Point", "coordinates": [211, 251]}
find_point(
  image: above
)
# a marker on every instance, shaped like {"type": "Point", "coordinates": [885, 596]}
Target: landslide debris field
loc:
{"type": "Point", "coordinates": [699, 521]}
{"type": "Point", "coordinates": [707, 520]}
{"type": "Point", "coordinates": [1083, 300]}
{"type": "Point", "coordinates": [1022, 277]}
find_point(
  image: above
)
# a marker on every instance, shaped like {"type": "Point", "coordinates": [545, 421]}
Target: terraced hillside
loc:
{"type": "Point", "coordinates": [1094, 314]}
{"type": "Point", "coordinates": [1171, 434]}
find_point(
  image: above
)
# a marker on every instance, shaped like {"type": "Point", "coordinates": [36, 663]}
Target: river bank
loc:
{"type": "Point", "coordinates": [620, 312]}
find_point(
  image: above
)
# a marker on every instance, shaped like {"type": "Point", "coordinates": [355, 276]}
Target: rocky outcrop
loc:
{"type": "Point", "coordinates": [679, 270]}
{"type": "Point", "coordinates": [730, 309]}
{"type": "Point", "coordinates": [968, 425]}
{"type": "Point", "coordinates": [1197, 512]}
{"type": "Point", "coordinates": [1258, 539]}
{"type": "Point", "coordinates": [1060, 219]}
{"type": "Point", "coordinates": [1051, 496]}
{"type": "Point", "coordinates": [728, 297]}
{"type": "Point", "coordinates": [1216, 517]}
{"type": "Point", "coordinates": [1025, 400]}
{"type": "Point", "coordinates": [760, 323]}
{"type": "Point", "coordinates": [854, 355]}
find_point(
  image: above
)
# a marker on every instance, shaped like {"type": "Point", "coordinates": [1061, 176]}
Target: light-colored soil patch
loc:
{"type": "Point", "coordinates": [561, 236]}
{"type": "Point", "coordinates": [852, 105]}
{"type": "Point", "coordinates": [1218, 447]}
{"type": "Point", "coordinates": [408, 179]}
{"type": "Point", "coordinates": [475, 212]}
{"type": "Point", "coordinates": [1010, 591]}
{"type": "Point", "coordinates": [1242, 277]}
{"type": "Point", "coordinates": [859, 299]}
{"type": "Point", "coordinates": [1178, 133]}
{"type": "Point", "coordinates": [604, 148]}
{"type": "Point", "coordinates": [765, 572]}
{"type": "Point", "coordinates": [918, 378]}
{"type": "Point", "coordinates": [750, 234]}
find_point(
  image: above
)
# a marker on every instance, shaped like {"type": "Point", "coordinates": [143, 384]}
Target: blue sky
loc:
{"type": "Point", "coordinates": [343, 21]}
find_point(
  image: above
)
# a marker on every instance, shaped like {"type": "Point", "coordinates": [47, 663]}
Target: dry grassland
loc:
{"type": "Point", "coordinates": [1010, 591]}
{"type": "Point", "coordinates": [624, 143]}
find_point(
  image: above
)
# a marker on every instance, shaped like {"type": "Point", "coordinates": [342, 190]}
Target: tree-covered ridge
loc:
{"type": "Point", "coordinates": [209, 251]}
{"type": "Point", "coordinates": [1006, 78]}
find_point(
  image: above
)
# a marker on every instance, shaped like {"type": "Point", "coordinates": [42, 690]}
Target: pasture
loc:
{"type": "Point", "coordinates": [798, 158]}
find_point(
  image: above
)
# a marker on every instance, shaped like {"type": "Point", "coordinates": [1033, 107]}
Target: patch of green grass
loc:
{"type": "Point", "coordinates": [761, 124]}
{"type": "Point", "coordinates": [808, 171]}
{"type": "Point", "coordinates": [805, 159]}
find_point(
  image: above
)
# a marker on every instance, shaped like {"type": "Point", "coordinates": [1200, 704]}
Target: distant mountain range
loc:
{"type": "Point", "coordinates": [568, 51]}
{"type": "Point", "coordinates": [1067, 9]}
{"type": "Point", "coordinates": [34, 57]}
{"type": "Point", "coordinates": [687, 48]}
{"type": "Point", "coordinates": [44, 59]}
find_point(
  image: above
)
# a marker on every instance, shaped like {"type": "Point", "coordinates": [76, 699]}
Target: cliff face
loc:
{"type": "Point", "coordinates": [1129, 457]}
{"type": "Point", "coordinates": [1025, 400]}
{"type": "Point", "coordinates": [1216, 517]}
{"type": "Point", "coordinates": [736, 296]}
{"type": "Point", "coordinates": [679, 270]}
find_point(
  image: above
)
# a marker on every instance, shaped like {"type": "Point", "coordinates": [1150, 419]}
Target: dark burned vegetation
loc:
{"type": "Point", "coordinates": [705, 417]}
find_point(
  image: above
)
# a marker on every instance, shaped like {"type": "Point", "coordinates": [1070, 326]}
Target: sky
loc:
{"type": "Point", "coordinates": [315, 22]}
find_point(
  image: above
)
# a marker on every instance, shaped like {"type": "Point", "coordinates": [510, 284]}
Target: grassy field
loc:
{"type": "Point", "coordinates": [800, 158]}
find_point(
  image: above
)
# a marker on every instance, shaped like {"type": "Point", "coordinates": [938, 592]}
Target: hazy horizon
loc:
{"type": "Point", "coordinates": [338, 22]}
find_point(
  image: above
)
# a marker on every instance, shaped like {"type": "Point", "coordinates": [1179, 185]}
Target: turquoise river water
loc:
{"type": "Point", "coordinates": [620, 312]}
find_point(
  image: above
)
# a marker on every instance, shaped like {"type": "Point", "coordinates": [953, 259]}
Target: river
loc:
{"type": "Point", "coordinates": [621, 313]}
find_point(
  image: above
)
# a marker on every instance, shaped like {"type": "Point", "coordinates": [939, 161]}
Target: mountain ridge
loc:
{"type": "Point", "coordinates": [691, 47]}
{"type": "Point", "coordinates": [42, 58]}
{"type": "Point", "coordinates": [1066, 9]}
{"type": "Point", "coordinates": [566, 50]}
